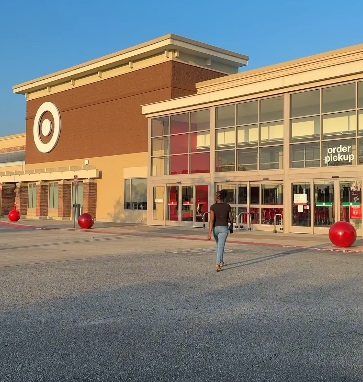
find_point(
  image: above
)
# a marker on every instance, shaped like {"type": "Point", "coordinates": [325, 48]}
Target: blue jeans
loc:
{"type": "Point", "coordinates": [220, 234]}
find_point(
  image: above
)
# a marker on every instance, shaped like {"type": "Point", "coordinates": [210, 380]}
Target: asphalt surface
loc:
{"type": "Point", "coordinates": [145, 304]}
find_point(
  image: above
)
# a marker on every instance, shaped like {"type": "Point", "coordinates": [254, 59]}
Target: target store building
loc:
{"type": "Point", "coordinates": [148, 134]}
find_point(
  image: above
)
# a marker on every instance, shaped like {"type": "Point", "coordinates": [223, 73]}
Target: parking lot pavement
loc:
{"type": "Point", "coordinates": [92, 306]}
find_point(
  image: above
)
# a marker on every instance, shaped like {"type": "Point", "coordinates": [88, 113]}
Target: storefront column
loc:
{"type": "Point", "coordinates": [21, 198]}
{"type": "Point", "coordinates": [64, 199]}
{"type": "Point", "coordinates": [90, 197]}
{"type": "Point", "coordinates": [42, 200]}
{"type": "Point", "coordinates": [7, 198]}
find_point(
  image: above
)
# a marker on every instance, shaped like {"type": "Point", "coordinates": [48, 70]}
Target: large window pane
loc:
{"type": "Point", "coordinates": [360, 94]}
{"type": "Point", "coordinates": [247, 112]}
{"type": "Point", "coordinates": [179, 123]}
{"type": "Point", "coordinates": [178, 164]}
{"type": "Point", "coordinates": [160, 146]}
{"type": "Point", "coordinates": [271, 133]}
{"type": "Point", "coordinates": [338, 153]}
{"type": "Point", "coordinates": [179, 144]}
{"type": "Point", "coordinates": [225, 161]}
{"type": "Point", "coordinates": [225, 116]}
{"type": "Point", "coordinates": [159, 166]}
{"type": "Point", "coordinates": [360, 152]}
{"type": "Point", "coordinates": [336, 98]}
{"type": "Point", "coordinates": [173, 200]}
{"type": "Point", "coordinates": [305, 155]}
{"type": "Point", "coordinates": [271, 158]}
{"type": "Point", "coordinates": [199, 120]}
{"type": "Point", "coordinates": [271, 109]}
{"type": "Point", "coordinates": [159, 126]}
{"type": "Point", "coordinates": [272, 193]}
{"type": "Point", "coordinates": [199, 141]}
{"type": "Point", "coordinates": [138, 193]}
{"type": "Point", "coordinates": [305, 129]}
{"type": "Point", "coordinates": [226, 137]}
{"type": "Point", "coordinates": [339, 125]}
{"type": "Point", "coordinates": [247, 135]}
{"type": "Point", "coordinates": [127, 194]}
{"type": "Point", "coordinates": [247, 159]}
{"type": "Point", "coordinates": [199, 163]}
{"type": "Point", "coordinates": [305, 103]}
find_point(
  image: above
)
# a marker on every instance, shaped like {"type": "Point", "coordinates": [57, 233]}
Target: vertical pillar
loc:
{"type": "Point", "coordinates": [90, 197]}
{"type": "Point", "coordinates": [21, 198]}
{"type": "Point", "coordinates": [7, 198]}
{"type": "Point", "coordinates": [64, 199]}
{"type": "Point", "coordinates": [42, 200]}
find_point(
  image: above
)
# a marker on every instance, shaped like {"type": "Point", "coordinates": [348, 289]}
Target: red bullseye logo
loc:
{"type": "Point", "coordinates": [43, 127]}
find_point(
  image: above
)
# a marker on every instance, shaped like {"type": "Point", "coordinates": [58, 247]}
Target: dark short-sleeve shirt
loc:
{"type": "Point", "coordinates": [221, 212]}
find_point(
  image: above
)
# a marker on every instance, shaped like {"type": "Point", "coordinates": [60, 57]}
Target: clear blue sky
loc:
{"type": "Point", "coordinates": [39, 37]}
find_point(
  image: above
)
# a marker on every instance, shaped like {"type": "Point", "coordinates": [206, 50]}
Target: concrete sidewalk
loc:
{"type": "Point", "coordinates": [317, 242]}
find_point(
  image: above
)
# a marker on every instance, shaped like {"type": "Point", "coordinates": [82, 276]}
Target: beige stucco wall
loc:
{"type": "Point", "coordinates": [112, 171]}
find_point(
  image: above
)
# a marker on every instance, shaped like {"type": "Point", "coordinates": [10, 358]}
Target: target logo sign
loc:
{"type": "Point", "coordinates": [44, 127]}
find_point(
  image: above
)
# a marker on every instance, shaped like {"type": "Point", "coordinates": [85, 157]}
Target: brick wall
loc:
{"type": "Point", "coordinates": [64, 200]}
{"type": "Point", "coordinates": [21, 198]}
{"type": "Point", "coordinates": [7, 198]}
{"type": "Point", "coordinates": [90, 197]}
{"type": "Point", "coordinates": [42, 200]}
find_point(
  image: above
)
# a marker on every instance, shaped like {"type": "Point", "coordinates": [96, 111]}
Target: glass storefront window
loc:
{"type": "Point", "coordinates": [247, 159]}
{"type": "Point", "coordinates": [226, 137]}
{"type": "Point", "coordinates": [179, 144]}
{"type": "Point", "coordinates": [271, 157]}
{"type": "Point", "coordinates": [202, 208]}
{"type": "Point", "coordinates": [242, 194]}
{"type": "Point", "coordinates": [337, 98]}
{"type": "Point", "coordinates": [160, 146]}
{"type": "Point", "coordinates": [226, 116]}
{"type": "Point", "coordinates": [159, 126]}
{"type": "Point", "coordinates": [360, 94]}
{"type": "Point", "coordinates": [200, 120]}
{"type": "Point", "coordinates": [351, 203]}
{"type": "Point", "coordinates": [173, 201]}
{"type": "Point", "coordinates": [247, 113]}
{"type": "Point", "coordinates": [305, 103]}
{"type": "Point", "coordinates": [159, 166]}
{"type": "Point", "coordinates": [271, 109]}
{"type": "Point", "coordinates": [271, 133]}
{"type": "Point", "coordinates": [301, 208]}
{"type": "Point", "coordinates": [360, 150]}
{"type": "Point", "coordinates": [187, 203]}
{"type": "Point", "coordinates": [178, 164]}
{"type": "Point", "coordinates": [247, 135]}
{"type": "Point", "coordinates": [225, 160]}
{"type": "Point", "coordinates": [199, 141]}
{"type": "Point", "coordinates": [179, 123]}
{"type": "Point", "coordinates": [255, 195]}
{"type": "Point", "coordinates": [305, 155]}
{"type": "Point", "coordinates": [324, 204]}
{"type": "Point", "coordinates": [305, 129]}
{"type": "Point", "coordinates": [339, 125]}
{"type": "Point", "coordinates": [200, 163]}
{"type": "Point", "coordinates": [338, 153]}
{"type": "Point", "coordinates": [272, 194]}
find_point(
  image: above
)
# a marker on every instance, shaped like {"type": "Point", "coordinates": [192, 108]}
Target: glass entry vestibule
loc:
{"type": "Point", "coordinates": [319, 204]}
{"type": "Point", "coordinates": [255, 205]}
{"type": "Point", "coordinates": [176, 204]}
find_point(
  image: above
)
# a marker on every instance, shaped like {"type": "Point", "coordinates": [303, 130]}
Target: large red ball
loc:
{"type": "Point", "coordinates": [85, 220]}
{"type": "Point", "coordinates": [14, 215]}
{"type": "Point", "coordinates": [342, 234]}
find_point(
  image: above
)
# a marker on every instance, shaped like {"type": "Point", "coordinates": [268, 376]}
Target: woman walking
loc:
{"type": "Point", "coordinates": [220, 214]}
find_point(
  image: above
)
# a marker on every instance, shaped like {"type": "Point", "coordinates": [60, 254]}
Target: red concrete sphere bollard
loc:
{"type": "Point", "coordinates": [342, 234]}
{"type": "Point", "coordinates": [14, 215]}
{"type": "Point", "coordinates": [85, 220]}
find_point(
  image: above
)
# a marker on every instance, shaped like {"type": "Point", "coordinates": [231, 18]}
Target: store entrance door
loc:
{"type": "Point", "coordinates": [183, 205]}
{"type": "Point", "coordinates": [337, 200]}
